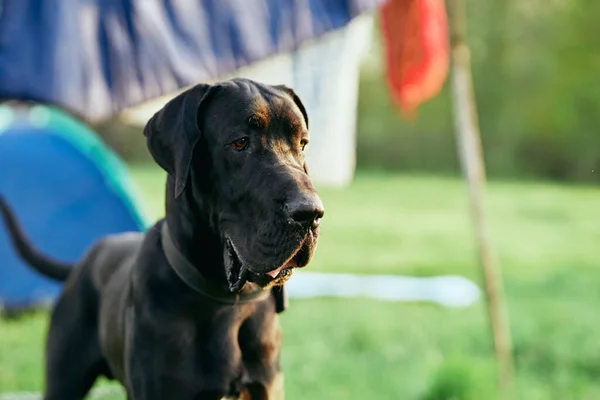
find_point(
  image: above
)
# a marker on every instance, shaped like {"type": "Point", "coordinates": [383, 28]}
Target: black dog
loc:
{"type": "Point", "coordinates": [189, 309]}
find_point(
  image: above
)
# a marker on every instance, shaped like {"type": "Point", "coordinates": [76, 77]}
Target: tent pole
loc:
{"type": "Point", "coordinates": [471, 157]}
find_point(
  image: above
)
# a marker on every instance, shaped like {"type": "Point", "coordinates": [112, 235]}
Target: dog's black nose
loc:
{"type": "Point", "coordinates": [306, 210]}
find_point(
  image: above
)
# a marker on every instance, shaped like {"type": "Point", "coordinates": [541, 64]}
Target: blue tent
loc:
{"type": "Point", "coordinates": [67, 190]}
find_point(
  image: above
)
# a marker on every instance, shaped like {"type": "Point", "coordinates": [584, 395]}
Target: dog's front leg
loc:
{"type": "Point", "coordinates": [153, 376]}
{"type": "Point", "coordinates": [140, 363]}
{"type": "Point", "coordinates": [273, 390]}
{"type": "Point", "coordinates": [158, 369]}
{"type": "Point", "coordinates": [149, 374]}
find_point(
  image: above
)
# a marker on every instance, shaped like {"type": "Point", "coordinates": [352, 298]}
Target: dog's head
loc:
{"type": "Point", "coordinates": [236, 151]}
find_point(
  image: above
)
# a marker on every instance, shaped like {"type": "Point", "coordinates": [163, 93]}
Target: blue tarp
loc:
{"type": "Point", "coordinates": [96, 57]}
{"type": "Point", "coordinates": [67, 190]}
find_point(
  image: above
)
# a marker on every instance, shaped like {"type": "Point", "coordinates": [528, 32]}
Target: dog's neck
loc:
{"type": "Point", "coordinates": [196, 239]}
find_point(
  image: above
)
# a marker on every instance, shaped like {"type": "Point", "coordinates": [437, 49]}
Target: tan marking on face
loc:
{"type": "Point", "coordinates": [296, 120]}
{"type": "Point", "coordinates": [261, 114]}
{"type": "Point", "coordinates": [289, 112]}
{"type": "Point", "coordinates": [279, 146]}
{"type": "Point", "coordinates": [283, 150]}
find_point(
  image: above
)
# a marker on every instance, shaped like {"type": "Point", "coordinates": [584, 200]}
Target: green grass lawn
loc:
{"type": "Point", "coordinates": [547, 239]}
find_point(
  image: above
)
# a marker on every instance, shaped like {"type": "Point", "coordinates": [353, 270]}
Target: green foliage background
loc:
{"type": "Point", "coordinates": [536, 70]}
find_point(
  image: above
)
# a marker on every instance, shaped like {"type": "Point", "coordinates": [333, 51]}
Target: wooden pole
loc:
{"type": "Point", "coordinates": [471, 157]}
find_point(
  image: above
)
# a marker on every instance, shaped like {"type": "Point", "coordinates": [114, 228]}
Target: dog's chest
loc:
{"type": "Point", "coordinates": [225, 357]}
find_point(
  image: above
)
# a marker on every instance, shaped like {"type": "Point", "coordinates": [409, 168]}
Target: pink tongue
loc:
{"type": "Point", "coordinates": [275, 272]}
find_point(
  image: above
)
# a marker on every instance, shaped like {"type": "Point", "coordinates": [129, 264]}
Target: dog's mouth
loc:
{"type": "Point", "coordinates": [289, 265]}
{"type": "Point", "coordinates": [238, 273]}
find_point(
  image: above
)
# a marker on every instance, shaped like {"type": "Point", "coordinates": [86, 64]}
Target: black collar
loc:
{"type": "Point", "coordinates": [192, 277]}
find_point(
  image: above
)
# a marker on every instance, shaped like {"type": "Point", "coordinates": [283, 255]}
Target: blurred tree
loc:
{"type": "Point", "coordinates": [127, 140]}
{"type": "Point", "coordinates": [535, 66]}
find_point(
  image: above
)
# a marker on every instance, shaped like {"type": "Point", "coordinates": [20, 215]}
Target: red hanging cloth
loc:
{"type": "Point", "coordinates": [416, 41]}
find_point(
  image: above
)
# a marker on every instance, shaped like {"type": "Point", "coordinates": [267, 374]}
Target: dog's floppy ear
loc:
{"type": "Point", "coordinates": [172, 133]}
{"type": "Point", "coordinates": [297, 100]}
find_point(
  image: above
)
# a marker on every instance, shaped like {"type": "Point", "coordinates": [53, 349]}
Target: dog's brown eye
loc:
{"type": "Point", "coordinates": [240, 144]}
{"type": "Point", "coordinates": [303, 143]}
